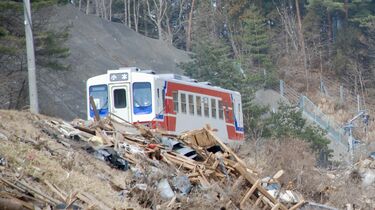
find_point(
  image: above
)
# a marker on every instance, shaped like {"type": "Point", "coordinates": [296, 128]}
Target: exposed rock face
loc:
{"type": "Point", "coordinates": [97, 45]}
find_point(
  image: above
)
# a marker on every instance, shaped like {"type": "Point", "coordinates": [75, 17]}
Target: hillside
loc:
{"type": "Point", "coordinates": [95, 46]}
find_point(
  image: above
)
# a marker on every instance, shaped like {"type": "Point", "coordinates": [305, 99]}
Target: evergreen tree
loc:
{"type": "Point", "coordinates": [210, 62]}
{"type": "Point", "coordinates": [254, 41]}
{"type": "Point", "coordinates": [48, 44]}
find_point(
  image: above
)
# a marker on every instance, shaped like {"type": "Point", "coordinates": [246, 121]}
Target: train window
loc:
{"type": "Point", "coordinates": [198, 102]}
{"type": "Point", "coordinates": [213, 107]}
{"type": "Point", "coordinates": [191, 104]}
{"type": "Point", "coordinates": [100, 95]}
{"type": "Point", "coordinates": [183, 102]}
{"type": "Point", "coordinates": [206, 108]}
{"type": "Point", "coordinates": [226, 112]}
{"type": "Point", "coordinates": [119, 97]}
{"type": "Point", "coordinates": [142, 98]}
{"type": "Point", "coordinates": [163, 98]}
{"type": "Point", "coordinates": [221, 111]}
{"type": "Point", "coordinates": [175, 101]}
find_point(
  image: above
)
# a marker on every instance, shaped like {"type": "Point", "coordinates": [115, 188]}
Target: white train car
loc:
{"type": "Point", "coordinates": [170, 102]}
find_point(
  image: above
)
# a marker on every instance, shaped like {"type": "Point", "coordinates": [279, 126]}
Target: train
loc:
{"type": "Point", "coordinates": [169, 102]}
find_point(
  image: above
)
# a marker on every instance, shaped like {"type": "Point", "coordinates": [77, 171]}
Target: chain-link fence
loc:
{"type": "Point", "coordinates": [345, 96]}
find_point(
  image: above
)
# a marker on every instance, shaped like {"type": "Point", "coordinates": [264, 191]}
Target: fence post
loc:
{"type": "Point", "coordinates": [282, 88]}
{"type": "Point", "coordinates": [341, 94]}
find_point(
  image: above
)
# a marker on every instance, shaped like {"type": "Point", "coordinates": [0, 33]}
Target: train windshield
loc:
{"type": "Point", "coordinates": [142, 98]}
{"type": "Point", "coordinates": [100, 95]}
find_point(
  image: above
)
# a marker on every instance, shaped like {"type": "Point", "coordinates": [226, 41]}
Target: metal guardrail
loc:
{"type": "Point", "coordinates": [313, 113]}
{"type": "Point", "coordinates": [334, 131]}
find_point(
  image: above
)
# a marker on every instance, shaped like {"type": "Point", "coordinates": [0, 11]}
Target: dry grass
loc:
{"type": "Point", "coordinates": [331, 187]}
{"type": "Point", "coordinates": [71, 170]}
{"type": "Point", "coordinates": [291, 155]}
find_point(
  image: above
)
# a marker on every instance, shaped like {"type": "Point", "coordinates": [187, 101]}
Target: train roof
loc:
{"type": "Point", "coordinates": [167, 77]}
{"type": "Point", "coordinates": [189, 81]}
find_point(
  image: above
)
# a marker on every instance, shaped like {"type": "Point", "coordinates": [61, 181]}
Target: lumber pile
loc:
{"type": "Point", "coordinates": [216, 162]}
{"type": "Point", "coordinates": [197, 159]}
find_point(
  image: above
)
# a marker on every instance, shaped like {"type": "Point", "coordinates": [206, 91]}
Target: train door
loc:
{"type": "Point", "coordinates": [120, 101]}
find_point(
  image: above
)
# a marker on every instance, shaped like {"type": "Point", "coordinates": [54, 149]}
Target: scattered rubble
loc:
{"type": "Point", "coordinates": [108, 164]}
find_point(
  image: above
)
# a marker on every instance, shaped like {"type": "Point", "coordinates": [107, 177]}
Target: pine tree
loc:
{"type": "Point", "coordinates": [254, 41]}
{"type": "Point", "coordinates": [49, 47]}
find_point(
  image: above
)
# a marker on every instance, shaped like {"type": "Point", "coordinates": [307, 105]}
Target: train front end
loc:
{"type": "Point", "coordinates": [126, 94]}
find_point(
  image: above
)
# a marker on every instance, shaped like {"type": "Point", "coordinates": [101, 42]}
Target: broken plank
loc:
{"type": "Point", "coordinates": [100, 204]}
{"type": "Point", "coordinates": [85, 129]}
{"type": "Point", "coordinates": [12, 185]}
{"type": "Point", "coordinates": [34, 191]}
{"type": "Point", "coordinates": [299, 204]}
{"type": "Point", "coordinates": [248, 176]}
{"type": "Point", "coordinates": [249, 193]}
{"type": "Point", "coordinates": [257, 202]}
{"type": "Point", "coordinates": [276, 207]}
{"type": "Point", "coordinates": [96, 113]}
{"type": "Point", "coordinates": [60, 194]}
{"type": "Point", "coordinates": [223, 146]}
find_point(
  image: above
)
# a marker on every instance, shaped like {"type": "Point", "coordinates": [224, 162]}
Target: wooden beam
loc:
{"type": "Point", "coordinates": [252, 180]}
{"type": "Point", "coordinates": [223, 146]}
{"type": "Point", "coordinates": [299, 204]}
{"type": "Point", "coordinates": [96, 113]}
{"type": "Point", "coordinates": [276, 207]}
{"type": "Point", "coordinates": [257, 202]}
{"type": "Point", "coordinates": [249, 193]}
{"type": "Point", "coordinates": [60, 194]}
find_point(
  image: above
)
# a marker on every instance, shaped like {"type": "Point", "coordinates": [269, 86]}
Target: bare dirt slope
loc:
{"type": "Point", "coordinates": [95, 46]}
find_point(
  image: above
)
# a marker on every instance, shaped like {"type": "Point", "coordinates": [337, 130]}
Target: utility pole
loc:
{"type": "Point", "coordinates": [33, 92]}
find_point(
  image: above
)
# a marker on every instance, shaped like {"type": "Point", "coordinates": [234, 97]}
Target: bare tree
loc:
{"type": "Point", "coordinates": [157, 13]}
{"type": "Point", "coordinates": [79, 5]}
{"type": "Point", "coordinates": [97, 7]}
{"type": "Point", "coordinates": [87, 7]}
{"type": "Point", "coordinates": [188, 31]}
{"type": "Point", "coordinates": [136, 14]}
{"type": "Point", "coordinates": [125, 12]}
{"type": "Point", "coordinates": [129, 15]}
{"type": "Point", "coordinates": [104, 9]}
{"type": "Point", "coordinates": [110, 10]}
{"type": "Point", "coordinates": [302, 44]}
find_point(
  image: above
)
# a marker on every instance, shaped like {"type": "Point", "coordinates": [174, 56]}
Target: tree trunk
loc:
{"type": "Point", "coordinates": [329, 33]}
{"type": "Point", "coordinates": [145, 20]}
{"type": "Point", "coordinates": [134, 15]}
{"type": "Point", "coordinates": [346, 8]}
{"type": "Point", "coordinates": [125, 12]}
{"type": "Point", "coordinates": [110, 10]}
{"type": "Point", "coordinates": [79, 5]}
{"type": "Point", "coordinates": [104, 10]}
{"type": "Point", "coordinates": [169, 37]}
{"type": "Point", "coordinates": [97, 7]}
{"type": "Point", "coordinates": [188, 31]}
{"type": "Point", "coordinates": [160, 34]}
{"type": "Point", "coordinates": [129, 15]}
{"type": "Point", "coordinates": [231, 39]}
{"type": "Point", "coordinates": [87, 7]}
{"type": "Point", "coordinates": [302, 44]}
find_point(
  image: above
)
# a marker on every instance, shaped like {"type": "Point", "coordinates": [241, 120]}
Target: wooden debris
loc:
{"type": "Point", "coordinates": [96, 113]}
{"type": "Point", "coordinates": [138, 144]}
